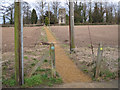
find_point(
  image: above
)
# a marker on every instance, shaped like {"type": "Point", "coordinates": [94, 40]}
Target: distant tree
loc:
{"type": "Point", "coordinates": [40, 6]}
{"type": "Point", "coordinates": [90, 12]}
{"type": "Point", "coordinates": [84, 11]}
{"type": "Point", "coordinates": [4, 19]}
{"type": "Point", "coordinates": [101, 13]}
{"type": "Point", "coordinates": [34, 17]}
{"type": "Point", "coordinates": [55, 6]}
{"type": "Point", "coordinates": [77, 12]}
{"type": "Point", "coordinates": [53, 19]}
{"type": "Point", "coordinates": [96, 14]}
{"type": "Point", "coordinates": [80, 12]}
{"type": "Point", "coordinates": [115, 18]}
{"type": "Point", "coordinates": [7, 10]}
{"type": "Point", "coordinates": [67, 19]}
{"type": "Point", "coordinates": [111, 15]}
{"type": "Point", "coordinates": [9, 13]}
{"type": "Point", "coordinates": [26, 13]}
{"type": "Point", "coordinates": [119, 12]}
{"type": "Point", "coordinates": [46, 21]}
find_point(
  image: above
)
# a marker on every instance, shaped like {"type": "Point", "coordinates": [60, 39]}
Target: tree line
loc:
{"type": "Point", "coordinates": [95, 12]}
{"type": "Point", "coordinates": [84, 12]}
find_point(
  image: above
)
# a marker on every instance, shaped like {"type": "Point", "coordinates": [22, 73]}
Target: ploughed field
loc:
{"type": "Point", "coordinates": [107, 34]}
{"type": "Point", "coordinates": [31, 35]}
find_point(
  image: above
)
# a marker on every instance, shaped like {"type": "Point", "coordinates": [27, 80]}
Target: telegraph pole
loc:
{"type": "Point", "coordinates": [71, 25]}
{"type": "Point", "coordinates": [18, 27]}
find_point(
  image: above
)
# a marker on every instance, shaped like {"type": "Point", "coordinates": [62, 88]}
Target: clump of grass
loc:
{"type": "Point", "coordinates": [25, 57]}
{"type": "Point", "coordinates": [33, 64]}
{"type": "Point", "coordinates": [9, 82]}
{"type": "Point", "coordinates": [107, 74]}
{"type": "Point", "coordinates": [118, 59]}
{"type": "Point", "coordinates": [89, 45]}
{"type": "Point", "coordinates": [45, 60]}
{"type": "Point", "coordinates": [85, 70]}
{"type": "Point", "coordinates": [33, 81]}
{"type": "Point", "coordinates": [108, 48]}
{"type": "Point", "coordinates": [34, 59]}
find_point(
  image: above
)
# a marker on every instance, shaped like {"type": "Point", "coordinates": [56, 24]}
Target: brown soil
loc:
{"type": "Point", "coordinates": [30, 37]}
{"type": "Point", "coordinates": [108, 34]}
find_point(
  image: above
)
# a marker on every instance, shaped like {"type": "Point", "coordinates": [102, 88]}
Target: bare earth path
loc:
{"type": "Point", "coordinates": [64, 66]}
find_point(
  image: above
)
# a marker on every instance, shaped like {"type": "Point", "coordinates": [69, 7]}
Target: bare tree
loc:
{"type": "Point", "coordinates": [6, 10]}
{"type": "Point", "coordinates": [26, 13]}
{"type": "Point", "coordinates": [40, 6]}
{"type": "Point", "coordinates": [55, 6]}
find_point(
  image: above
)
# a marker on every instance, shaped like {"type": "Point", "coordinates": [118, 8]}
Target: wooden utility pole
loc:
{"type": "Point", "coordinates": [71, 25]}
{"type": "Point", "coordinates": [18, 27]}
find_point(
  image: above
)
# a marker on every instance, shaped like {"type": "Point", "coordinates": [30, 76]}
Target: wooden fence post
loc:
{"type": "Point", "coordinates": [18, 32]}
{"type": "Point", "coordinates": [52, 55]}
{"type": "Point", "coordinates": [99, 59]}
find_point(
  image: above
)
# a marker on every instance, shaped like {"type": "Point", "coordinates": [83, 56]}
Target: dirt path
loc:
{"type": "Point", "coordinates": [64, 66]}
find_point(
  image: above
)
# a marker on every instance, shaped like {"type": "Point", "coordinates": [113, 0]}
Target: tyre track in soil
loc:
{"type": "Point", "coordinates": [64, 66]}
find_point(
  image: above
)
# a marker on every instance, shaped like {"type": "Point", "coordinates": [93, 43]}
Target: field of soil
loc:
{"type": "Point", "coordinates": [107, 34]}
{"type": "Point", "coordinates": [30, 37]}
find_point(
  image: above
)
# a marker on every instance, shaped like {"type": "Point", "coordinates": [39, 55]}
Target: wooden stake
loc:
{"type": "Point", "coordinates": [52, 54]}
{"type": "Point", "coordinates": [18, 44]}
{"type": "Point", "coordinates": [99, 58]}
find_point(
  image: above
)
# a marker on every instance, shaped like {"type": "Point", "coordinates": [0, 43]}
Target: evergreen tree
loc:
{"type": "Point", "coordinates": [90, 13]}
{"type": "Point", "coordinates": [96, 14]}
{"type": "Point", "coordinates": [84, 12]}
{"type": "Point", "coordinates": [77, 13]}
{"type": "Point", "coordinates": [53, 19]}
{"type": "Point", "coordinates": [46, 21]}
{"type": "Point", "coordinates": [67, 19]}
{"type": "Point", "coordinates": [4, 19]}
{"type": "Point", "coordinates": [101, 13]}
{"type": "Point", "coordinates": [34, 17]}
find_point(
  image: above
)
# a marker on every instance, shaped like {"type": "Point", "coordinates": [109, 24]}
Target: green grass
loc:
{"type": "Point", "coordinates": [118, 59]}
{"type": "Point", "coordinates": [33, 64]}
{"type": "Point", "coordinates": [34, 59]}
{"type": "Point", "coordinates": [85, 70]}
{"type": "Point", "coordinates": [45, 60]}
{"type": "Point", "coordinates": [8, 82]}
{"type": "Point", "coordinates": [35, 80]}
{"type": "Point", "coordinates": [108, 75]}
{"type": "Point", "coordinates": [89, 45]}
{"type": "Point", "coordinates": [25, 57]}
